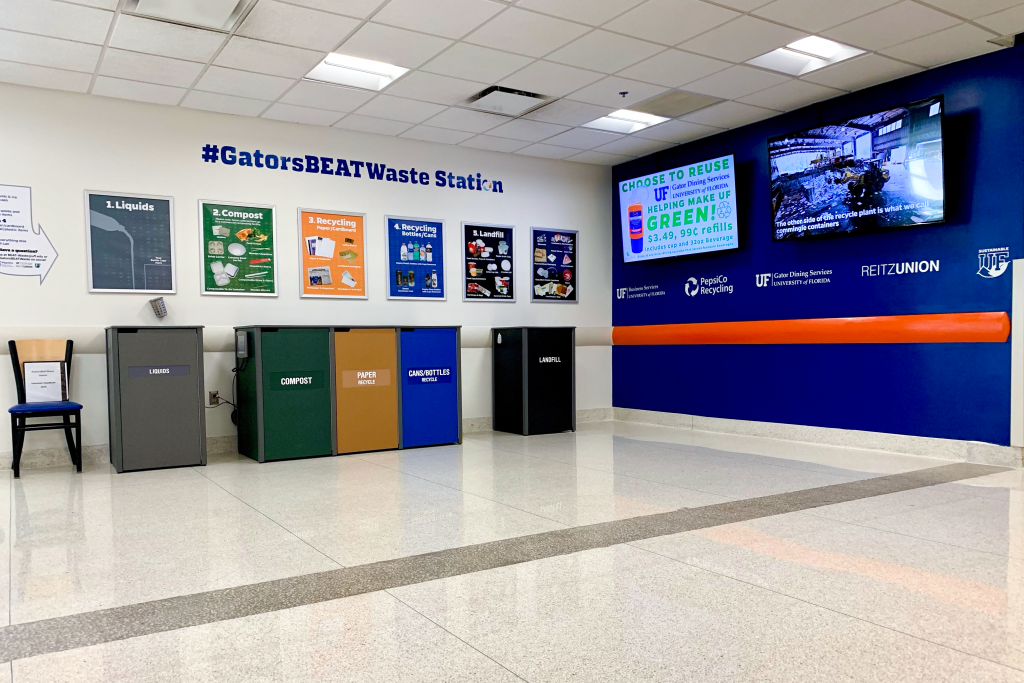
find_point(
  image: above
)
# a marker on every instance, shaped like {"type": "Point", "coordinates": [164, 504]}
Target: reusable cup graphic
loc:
{"type": "Point", "coordinates": [636, 227]}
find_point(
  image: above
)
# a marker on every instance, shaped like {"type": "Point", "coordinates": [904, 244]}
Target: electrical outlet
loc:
{"type": "Point", "coordinates": [214, 398]}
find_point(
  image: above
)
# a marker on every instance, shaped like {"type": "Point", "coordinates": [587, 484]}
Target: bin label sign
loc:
{"type": "Point", "coordinates": [296, 381]}
{"type": "Point", "coordinates": [352, 379]}
{"type": "Point", "coordinates": [429, 376]}
{"type": "Point", "coordinates": [159, 370]}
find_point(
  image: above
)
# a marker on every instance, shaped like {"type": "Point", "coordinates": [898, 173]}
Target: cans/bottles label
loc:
{"type": "Point", "coordinates": [429, 376]}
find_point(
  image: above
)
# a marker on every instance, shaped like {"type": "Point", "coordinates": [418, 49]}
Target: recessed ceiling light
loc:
{"type": "Point", "coordinates": [355, 72]}
{"type": "Point", "coordinates": [805, 55]}
{"type": "Point", "coordinates": [625, 121]}
{"type": "Point", "coordinates": [219, 15]}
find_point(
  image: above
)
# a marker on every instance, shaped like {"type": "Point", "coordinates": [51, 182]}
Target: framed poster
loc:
{"type": "Point", "coordinates": [487, 262]}
{"type": "Point", "coordinates": [238, 243]}
{"type": "Point", "coordinates": [129, 242]}
{"type": "Point", "coordinates": [332, 254]}
{"type": "Point", "coordinates": [415, 258]}
{"type": "Point", "coordinates": [555, 265]}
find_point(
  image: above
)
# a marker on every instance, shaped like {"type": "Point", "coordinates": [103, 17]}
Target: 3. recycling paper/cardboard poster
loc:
{"type": "Point", "coordinates": [332, 253]}
{"type": "Point", "coordinates": [555, 257]}
{"type": "Point", "coordinates": [487, 263]}
{"type": "Point", "coordinates": [238, 243]}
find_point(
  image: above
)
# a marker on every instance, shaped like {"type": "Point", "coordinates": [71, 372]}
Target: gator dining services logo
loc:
{"type": "Point", "coordinates": [763, 279]}
{"type": "Point", "coordinates": [993, 262]}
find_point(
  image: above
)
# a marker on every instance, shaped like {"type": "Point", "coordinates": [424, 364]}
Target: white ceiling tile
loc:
{"type": "Point", "coordinates": [101, 4]}
{"type": "Point", "coordinates": [972, 9]}
{"type": "Point", "coordinates": [599, 158]}
{"type": "Point", "coordinates": [526, 33]}
{"type": "Point", "coordinates": [582, 138]}
{"type": "Point", "coordinates": [860, 72]}
{"type": "Point", "coordinates": [736, 81]}
{"type": "Point", "coordinates": [168, 40]}
{"type": "Point", "coordinates": [466, 120]}
{"type": "Point", "coordinates": [57, 19]}
{"type": "Point", "coordinates": [267, 58]}
{"type": "Point", "coordinates": [606, 92]}
{"type": "Point", "coordinates": [420, 85]}
{"type": "Point", "coordinates": [448, 18]}
{"type": "Point", "coordinates": [569, 113]}
{"type": "Point", "coordinates": [225, 104]}
{"type": "Point", "coordinates": [298, 26]}
{"type": "Point", "coordinates": [494, 144]}
{"type": "Point", "coordinates": [604, 51]}
{"type": "Point", "coordinates": [475, 63]}
{"type": "Point", "coordinates": [547, 151]}
{"type": "Point", "coordinates": [360, 9]}
{"type": "Point", "coordinates": [634, 147]}
{"type": "Point", "coordinates": [442, 135]}
{"type": "Point", "coordinates": [400, 109]}
{"type": "Point", "coordinates": [43, 77]}
{"type": "Point", "coordinates": [290, 112]}
{"type": "Point", "coordinates": [743, 39]}
{"type": "Point", "coordinates": [677, 132]}
{"type": "Point", "coordinates": [243, 84]}
{"type": "Point", "coordinates": [729, 115]}
{"type": "Point", "coordinates": [890, 26]}
{"type": "Point", "coordinates": [141, 92]}
{"type": "Point", "coordinates": [548, 78]}
{"type": "Point", "coordinates": [791, 95]}
{"type": "Point", "coordinates": [671, 21]}
{"type": "Point", "coordinates": [149, 68]}
{"type": "Point", "coordinates": [743, 5]}
{"type": "Point", "coordinates": [673, 68]}
{"type": "Point", "coordinates": [953, 44]}
{"type": "Point", "coordinates": [46, 51]}
{"type": "Point", "coordinates": [531, 131]}
{"type": "Point", "coordinates": [393, 45]}
{"type": "Point", "coordinates": [817, 15]}
{"type": "Point", "coordinates": [1007, 22]}
{"type": "Point", "coordinates": [593, 12]}
{"type": "Point", "coordinates": [369, 124]}
{"type": "Point", "coordinates": [331, 97]}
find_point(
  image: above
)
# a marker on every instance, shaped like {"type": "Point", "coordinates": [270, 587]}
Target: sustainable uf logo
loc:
{"type": "Point", "coordinates": [993, 262]}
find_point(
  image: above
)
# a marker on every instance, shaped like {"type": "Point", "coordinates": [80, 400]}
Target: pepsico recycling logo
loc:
{"type": "Point", "coordinates": [692, 289]}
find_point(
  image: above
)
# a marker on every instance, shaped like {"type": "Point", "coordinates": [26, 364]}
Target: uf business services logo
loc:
{"type": "Point", "coordinates": [620, 293]}
{"type": "Point", "coordinates": [993, 262]}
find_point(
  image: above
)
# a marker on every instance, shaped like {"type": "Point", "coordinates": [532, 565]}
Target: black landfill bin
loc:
{"type": "Point", "coordinates": [534, 379]}
{"type": "Point", "coordinates": [155, 397]}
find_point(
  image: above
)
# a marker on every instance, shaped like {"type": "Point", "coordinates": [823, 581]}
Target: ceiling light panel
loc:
{"type": "Point", "coordinates": [625, 121]}
{"type": "Point", "coordinates": [805, 55]}
{"type": "Point", "coordinates": [355, 72]}
{"type": "Point", "coordinates": [220, 15]}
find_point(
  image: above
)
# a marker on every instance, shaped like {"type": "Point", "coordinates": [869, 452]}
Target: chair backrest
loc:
{"type": "Point", "coordinates": [31, 350]}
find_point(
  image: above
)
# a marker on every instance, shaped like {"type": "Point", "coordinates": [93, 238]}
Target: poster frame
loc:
{"type": "Point", "coordinates": [88, 244]}
{"type": "Point", "coordinates": [202, 249]}
{"type": "Point", "coordinates": [465, 260]}
{"type": "Point", "coordinates": [576, 263]}
{"type": "Point", "coordinates": [302, 246]}
{"type": "Point", "coordinates": [387, 266]}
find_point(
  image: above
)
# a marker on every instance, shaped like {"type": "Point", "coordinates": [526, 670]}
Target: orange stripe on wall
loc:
{"type": "Point", "coordinates": [890, 329]}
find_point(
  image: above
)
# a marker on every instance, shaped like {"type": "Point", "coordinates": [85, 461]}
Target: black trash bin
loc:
{"type": "Point", "coordinates": [155, 397]}
{"type": "Point", "coordinates": [534, 379]}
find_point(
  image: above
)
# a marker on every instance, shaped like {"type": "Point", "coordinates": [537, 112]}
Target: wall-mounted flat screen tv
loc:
{"type": "Point", "coordinates": [686, 210]}
{"type": "Point", "coordinates": [871, 173]}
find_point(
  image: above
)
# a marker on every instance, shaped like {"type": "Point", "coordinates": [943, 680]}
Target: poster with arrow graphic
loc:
{"type": "Point", "coordinates": [130, 242]}
{"type": "Point", "coordinates": [24, 251]}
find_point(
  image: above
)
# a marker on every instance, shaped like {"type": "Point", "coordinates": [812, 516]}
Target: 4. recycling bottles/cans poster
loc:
{"type": "Point", "coordinates": [130, 242]}
{"type": "Point", "coordinates": [415, 258]}
{"type": "Point", "coordinates": [332, 261]}
{"type": "Point", "coordinates": [555, 259]}
{"type": "Point", "coordinates": [239, 249]}
{"type": "Point", "coordinates": [487, 262]}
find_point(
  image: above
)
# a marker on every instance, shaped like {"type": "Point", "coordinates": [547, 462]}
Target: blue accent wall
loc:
{"type": "Point", "coordinates": [957, 391]}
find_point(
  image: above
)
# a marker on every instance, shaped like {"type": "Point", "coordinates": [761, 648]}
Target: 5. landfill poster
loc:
{"type": "Point", "coordinates": [130, 243]}
{"type": "Point", "coordinates": [23, 250]}
{"type": "Point", "coordinates": [555, 260]}
{"type": "Point", "coordinates": [415, 258]}
{"type": "Point", "coordinates": [239, 252]}
{"type": "Point", "coordinates": [487, 262]}
{"type": "Point", "coordinates": [332, 254]}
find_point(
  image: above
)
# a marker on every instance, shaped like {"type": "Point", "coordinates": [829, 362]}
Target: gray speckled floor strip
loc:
{"type": "Point", "coordinates": [119, 623]}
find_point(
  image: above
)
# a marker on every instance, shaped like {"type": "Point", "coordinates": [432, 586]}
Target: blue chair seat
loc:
{"type": "Point", "coordinates": [47, 407]}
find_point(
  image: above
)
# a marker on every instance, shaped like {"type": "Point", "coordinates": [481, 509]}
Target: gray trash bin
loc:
{"type": "Point", "coordinates": [155, 396]}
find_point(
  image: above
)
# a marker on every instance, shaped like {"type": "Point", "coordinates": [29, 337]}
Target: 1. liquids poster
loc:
{"type": "Point", "coordinates": [238, 243]}
{"type": "Point", "coordinates": [130, 242]}
{"type": "Point", "coordinates": [487, 262]}
{"type": "Point", "coordinates": [415, 258]}
{"type": "Point", "coordinates": [555, 265]}
{"type": "Point", "coordinates": [332, 254]}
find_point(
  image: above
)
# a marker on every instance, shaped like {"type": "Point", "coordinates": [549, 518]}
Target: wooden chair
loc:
{"type": "Point", "coordinates": [29, 350]}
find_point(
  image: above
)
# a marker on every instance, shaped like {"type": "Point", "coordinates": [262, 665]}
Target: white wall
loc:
{"type": "Point", "coordinates": [62, 144]}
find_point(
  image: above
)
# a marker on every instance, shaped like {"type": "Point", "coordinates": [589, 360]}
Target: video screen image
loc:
{"type": "Point", "coordinates": [871, 173]}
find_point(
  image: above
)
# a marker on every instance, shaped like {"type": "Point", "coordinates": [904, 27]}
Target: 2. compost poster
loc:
{"type": "Point", "coordinates": [555, 260]}
{"type": "Point", "coordinates": [130, 241]}
{"type": "Point", "coordinates": [238, 246]}
{"type": "Point", "coordinates": [415, 258]}
{"type": "Point", "coordinates": [487, 263]}
{"type": "Point", "coordinates": [332, 254]}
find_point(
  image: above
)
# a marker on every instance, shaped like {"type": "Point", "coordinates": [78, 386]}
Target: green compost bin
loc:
{"type": "Point", "coordinates": [285, 390]}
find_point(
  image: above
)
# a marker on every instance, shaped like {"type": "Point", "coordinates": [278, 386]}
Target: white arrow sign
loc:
{"type": "Point", "coordinates": [23, 250]}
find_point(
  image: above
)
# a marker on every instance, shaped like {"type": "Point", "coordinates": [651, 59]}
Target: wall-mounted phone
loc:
{"type": "Point", "coordinates": [241, 344]}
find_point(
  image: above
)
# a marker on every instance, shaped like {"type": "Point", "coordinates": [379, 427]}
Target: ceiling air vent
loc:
{"type": "Point", "coordinates": [675, 103]}
{"type": "Point", "coordinates": [219, 15]}
{"type": "Point", "coordinates": [506, 101]}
